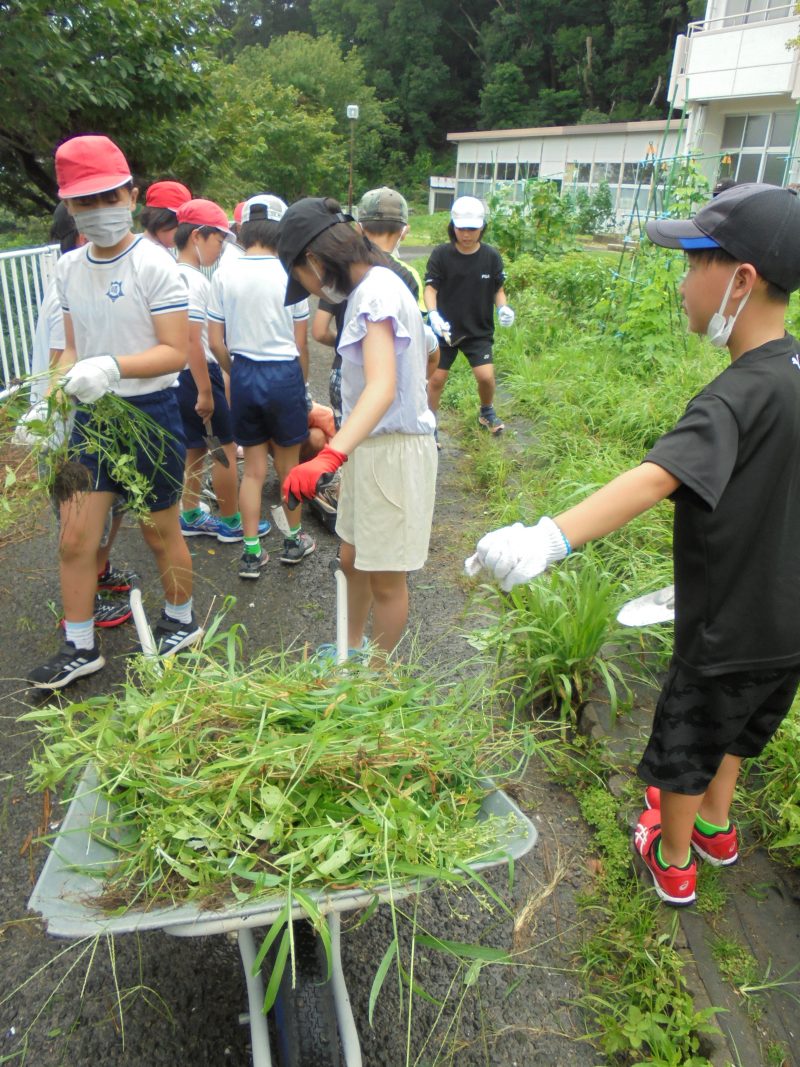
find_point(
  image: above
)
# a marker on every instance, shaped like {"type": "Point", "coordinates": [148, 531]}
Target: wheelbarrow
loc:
{"type": "Point", "coordinates": [313, 1021]}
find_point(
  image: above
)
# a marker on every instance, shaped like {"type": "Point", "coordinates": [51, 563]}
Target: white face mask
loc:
{"type": "Point", "coordinates": [719, 327]}
{"type": "Point", "coordinates": [330, 292]}
{"type": "Point", "coordinates": [104, 226]}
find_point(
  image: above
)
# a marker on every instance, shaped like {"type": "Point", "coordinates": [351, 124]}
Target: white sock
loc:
{"type": "Point", "coordinates": [179, 612]}
{"type": "Point", "coordinates": [81, 634]}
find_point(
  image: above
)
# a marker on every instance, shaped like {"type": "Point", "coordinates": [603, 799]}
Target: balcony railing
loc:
{"type": "Point", "coordinates": [776, 13]}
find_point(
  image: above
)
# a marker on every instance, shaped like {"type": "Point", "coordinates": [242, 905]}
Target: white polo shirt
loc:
{"type": "Point", "coordinates": [112, 303]}
{"type": "Point", "coordinates": [248, 298]}
{"type": "Point", "coordinates": [199, 288]}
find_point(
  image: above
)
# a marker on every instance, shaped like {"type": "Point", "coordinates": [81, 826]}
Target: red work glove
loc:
{"type": "Point", "coordinates": [301, 481]}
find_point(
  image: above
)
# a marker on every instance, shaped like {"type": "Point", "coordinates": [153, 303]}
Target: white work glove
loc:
{"type": "Point", "coordinates": [518, 553]}
{"type": "Point", "coordinates": [26, 432]}
{"type": "Point", "coordinates": [431, 340]}
{"type": "Point", "coordinates": [505, 315]}
{"type": "Point", "coordinates": [91, 378]}
{"type": "Point", "coordinates": [439, 325]}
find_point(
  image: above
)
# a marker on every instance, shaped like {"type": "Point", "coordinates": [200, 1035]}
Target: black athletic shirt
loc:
{"type": "Point", "coordinates": [466, 286]}
{"type": "Point", "coordinates": [338, 310]}
{"type": "Point", "coordinates": [736, 451]}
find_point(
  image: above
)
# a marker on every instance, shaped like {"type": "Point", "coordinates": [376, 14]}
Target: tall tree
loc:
{"type": "Point", "coordinates": [252, 22]}
{"type": "Point", "coordinates": [116, 67]}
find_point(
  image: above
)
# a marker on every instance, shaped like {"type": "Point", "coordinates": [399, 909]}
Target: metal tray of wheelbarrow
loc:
{"type": "Point", "coordinates": [71, 883]}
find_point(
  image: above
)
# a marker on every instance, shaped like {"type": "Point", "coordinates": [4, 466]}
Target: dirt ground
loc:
{"type": "Point", "coordinates": [182, 997]}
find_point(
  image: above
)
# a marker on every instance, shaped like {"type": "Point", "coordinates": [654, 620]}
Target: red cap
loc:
{"type": "Point", "coordinates": [90, 164]}
{"type": "Point", "coordinates": [237, 211]}
{"type": "Point", "coordinates": [203, 213]}
{"type": "Point", "coordinates": [167, 194]}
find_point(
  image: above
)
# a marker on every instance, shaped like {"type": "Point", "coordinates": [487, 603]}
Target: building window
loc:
{"type": "Point", "coordinates": [751, 11]}
{"type": "Point", "coordinates": [584, 172]}
{"type": "Point", "coordinates": [506, 172]}
{"type": "Point", "coordinates": [527, 171]}
{"type": "Point", "coordinates": [466, 171]}
{"type": "Point", "coordinates": [485, 172]}
{"type": "Point", "coordinates": [756, 147]}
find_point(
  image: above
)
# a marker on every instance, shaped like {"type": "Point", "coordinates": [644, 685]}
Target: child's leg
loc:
{"type": "Point", "coordinates": [389, 608]}
{"type": "Point", "coordinates": [256, 464]}
{"type": "Point", "coordinates": [436, 384]}
{"type": "Point", "coordinates": [104, 551]}
{"type": "Point", "coordinates": [678, 813]}
{"type": "Point", "coordinates": [716, 801]}
{"type": "Point", "coordinates": [82, 521]}
{"type": "Point", "coordinates": [193, 478]}
{"type": "Point", "coordinates": [285, 459]}
{"type": "Point", "coordinates": [359, 596]}
{"type": "Point", "coordinates": [226, 482]}
{"type": "Point", "coordinates": [484, 376]}
{"type": "Point", "coordinates": [162, 532]}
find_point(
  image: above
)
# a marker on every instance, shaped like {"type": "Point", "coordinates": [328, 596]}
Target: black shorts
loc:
{"type": "Point", "coordinates": [699, 720]}
{"type": "Point", "coordinates": [477, 352]}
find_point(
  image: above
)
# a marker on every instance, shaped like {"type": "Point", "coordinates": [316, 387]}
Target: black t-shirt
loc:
{"type": "Point", "coordinates": [338, 310]}
{"type": "Point", "coordinates": [736, 452]}
{"type": "Point", "coordinates": [466, 286]}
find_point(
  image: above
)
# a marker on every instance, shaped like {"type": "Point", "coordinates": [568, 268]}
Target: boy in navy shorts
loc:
{"type": "Point", "coordinates": [730, 466]}
{"type": "Point", "coordinates": [263, 345]}
{"type": "Point", "coordinates": [126, 330]}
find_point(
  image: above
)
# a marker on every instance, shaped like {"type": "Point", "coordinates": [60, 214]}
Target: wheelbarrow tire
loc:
{"type": "Point", "coordinates": [305, 1016]}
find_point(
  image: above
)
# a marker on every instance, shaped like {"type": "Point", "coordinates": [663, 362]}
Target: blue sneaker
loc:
{"type": "Point", "coordinates": [204, 525]}
{"type": "Point", "coordinates": [229, 535]}
{"type": "Point", "coordinates": [326, 655]}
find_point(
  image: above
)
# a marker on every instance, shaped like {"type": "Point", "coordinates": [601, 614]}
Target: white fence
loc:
{"type": "Point", "coordinates": [24, 277]}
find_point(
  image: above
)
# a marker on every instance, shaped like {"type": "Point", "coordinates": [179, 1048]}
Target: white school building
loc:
{"type": "Point", "coordinates": [734, 91]}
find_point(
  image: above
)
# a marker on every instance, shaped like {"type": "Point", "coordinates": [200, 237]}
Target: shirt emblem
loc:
{"type": "Point", "coordinates": [485, 277]}
{"type": "Point", "coordinates": [796, 360]}
{"type": "Point", "coordinates": [114, 291]}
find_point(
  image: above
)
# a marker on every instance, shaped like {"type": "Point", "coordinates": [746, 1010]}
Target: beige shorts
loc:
{"type": "Point", "coordinates": [386, 501]}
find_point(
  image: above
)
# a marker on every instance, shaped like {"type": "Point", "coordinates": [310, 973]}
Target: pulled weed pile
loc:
{"type": "Point", "coordinates": [228, 780]}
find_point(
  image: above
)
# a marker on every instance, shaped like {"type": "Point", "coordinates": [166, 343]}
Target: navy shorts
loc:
{"type": "Point", "coordinates": [193, 427]}
{"type": "Point", "coordinates": [478, 353]}
{"type": "Point", "coordinates": [268, 402]}
{"type": "Point", "coordinates": [160, 458]}
{"type": "Point", "coordinates": [699, 720]}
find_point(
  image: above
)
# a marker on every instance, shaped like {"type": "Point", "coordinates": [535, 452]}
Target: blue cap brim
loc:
{"type": "Point", "coordinates": [678, 233]}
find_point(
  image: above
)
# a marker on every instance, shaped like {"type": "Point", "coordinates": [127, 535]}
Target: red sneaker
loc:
{"type": "Point", "coordinates": [675, 885]}
{"type": "Point", "coordinates": [720, 849]}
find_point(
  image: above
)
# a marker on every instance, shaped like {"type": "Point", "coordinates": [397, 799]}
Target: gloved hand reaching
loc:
{"type": "Point", "coordinates": [301, 481]}
{"type": "Point", "coordinates": [440, 326]}
{"type": "Point", "coordinates": [29, 431]}
{"type": "Point", "coordinates": [505, 315]}
{"type": "Point", "coordinates": [90, 378]}
{"type": "Point", "coordinates": [518, 553]}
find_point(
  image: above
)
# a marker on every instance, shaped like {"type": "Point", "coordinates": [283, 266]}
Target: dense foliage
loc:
{"type": "Point", "coordinates": [160, 76]}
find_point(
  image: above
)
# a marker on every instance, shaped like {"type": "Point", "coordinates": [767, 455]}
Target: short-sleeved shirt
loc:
{"type": "Point", "coordinates": [198, 288]}
{"type": "Point", "coordinates": [736, 452]}
{"type": "Point", "coordinates": [380, 297]}
{"type": "Point", "coordinates": [112, 303]}
{"type": "Point", "coordinates": [49, 334]}
{"type": "Point", "coordinates": [466, 285]}
{"type": "Point", "coordinates": [248, 298]}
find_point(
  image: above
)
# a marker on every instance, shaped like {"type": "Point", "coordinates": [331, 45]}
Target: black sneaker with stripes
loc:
{"type": "Point", "coordinates": [171, 635]}
{"type": "Point", "coordinates": [67, 665]}
{"type": "Point", "coordinates": [116, 580]}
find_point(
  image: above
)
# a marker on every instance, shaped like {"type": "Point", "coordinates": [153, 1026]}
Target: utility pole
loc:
{"type": "Point", "coordinates": [352, 114]}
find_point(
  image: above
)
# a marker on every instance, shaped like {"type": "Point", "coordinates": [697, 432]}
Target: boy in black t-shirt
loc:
{"type": "Point", "coordinates": [732, 467]}
{"type": "Point", "coordinates": [463, 285]}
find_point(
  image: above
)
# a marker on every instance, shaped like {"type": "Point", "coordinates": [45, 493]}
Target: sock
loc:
{"type": "Point", "coordinates": [179, 612]}
{"type": "Point", "coordinates": [665, 865]}
{"type": "Point", "coordinates": [294, 532]}
{"type": "Point", "coordinates": [232, 520]}
{"type": "Point", "coordinates": [708, 828]}
{"type": "Point", "coordinates": [81, 634]}
{"type": "Point", "coordinates": [192, 515]}
{"type": "Point", "coordinates": [252, 545]}
{"type": "Point", "coordinates": [487, 409]}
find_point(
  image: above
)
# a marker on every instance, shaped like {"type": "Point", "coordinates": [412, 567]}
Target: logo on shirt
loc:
{"type": "Point", "coordinates": [796, 360]}
{"type": "Point", "coordinates": [115, 291]}
{"type": "Point", "coordinates": [485, 277]}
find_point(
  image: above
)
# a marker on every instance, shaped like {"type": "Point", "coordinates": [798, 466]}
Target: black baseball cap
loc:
{"type": "Point", "coordinates": [753, 222]}
{"type": "Point", "coordinates": [303, 221]}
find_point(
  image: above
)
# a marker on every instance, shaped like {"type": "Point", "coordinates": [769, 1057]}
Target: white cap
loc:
{"type": "Point", "coordinates": [468, 213]}
{"type": "Point", "coordinates": [263, 206]}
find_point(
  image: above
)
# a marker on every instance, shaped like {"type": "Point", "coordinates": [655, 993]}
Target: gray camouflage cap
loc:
{"type": "Point", "coordinates": [383, 205]}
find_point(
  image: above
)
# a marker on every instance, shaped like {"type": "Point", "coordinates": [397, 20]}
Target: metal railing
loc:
{"type": "Point", "coordinates": [24, 276]}
{"type": "Point", "coordinates": [743, 18]}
